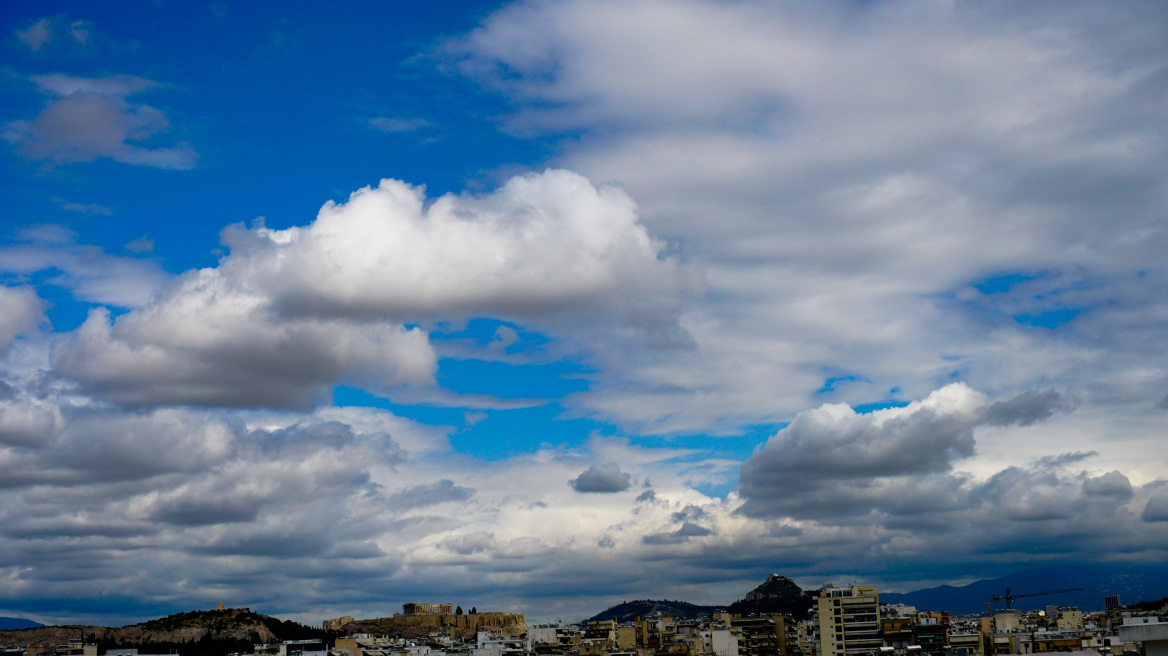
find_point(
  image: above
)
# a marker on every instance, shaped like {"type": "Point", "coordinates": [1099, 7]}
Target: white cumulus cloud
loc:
{"type": "Point", "coordinates": [540, 244]}
{"type": "Point", "coordinates": [287, 314]}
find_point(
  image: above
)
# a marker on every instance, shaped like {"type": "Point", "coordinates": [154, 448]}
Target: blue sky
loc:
{"type": "Point", "coordinates": [491, 299]}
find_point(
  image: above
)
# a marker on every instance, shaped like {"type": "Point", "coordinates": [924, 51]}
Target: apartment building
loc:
{"type": "Point", "coordinates": [849, 621]}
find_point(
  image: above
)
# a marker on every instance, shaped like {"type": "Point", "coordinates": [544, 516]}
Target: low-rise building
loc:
{"type": "Point", "coordinates": [719, 642]}
{"type": "Point", "coordinates": [489, 644]}
{"type": "Point", "coordinates": [291, 648]}
{"type": "Point", "coordinates": [966, 644]}
{"type": "Point", "coordinates": [556, 639]}
{"type": "Point", "coordinates": [756, 636]}
{"type": "Point", "coordinates": [1152, 635]}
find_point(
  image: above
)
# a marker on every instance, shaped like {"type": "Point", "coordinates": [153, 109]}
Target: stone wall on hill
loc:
{"type": "Point", "coordinates": [474, 621]}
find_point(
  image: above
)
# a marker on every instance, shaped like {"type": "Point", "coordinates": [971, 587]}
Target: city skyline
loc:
{"type": "Point", "coordinates": [554, 304]}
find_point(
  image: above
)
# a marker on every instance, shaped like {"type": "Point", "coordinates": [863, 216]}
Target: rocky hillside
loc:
{"type": "Point", "coordinates": [628, 610]}
{"type": "Point", "coordinates": [227, 624]}
{"type": "Point", "coordinates": [202, 632]}
{"type": "Point", "coordinates": [778, 594]}
{"type": "Point", "coordinates": [50, 636]}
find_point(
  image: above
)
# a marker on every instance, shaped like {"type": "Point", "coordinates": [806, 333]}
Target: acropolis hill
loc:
{"type": "Point", "coordinates": [435, 615]}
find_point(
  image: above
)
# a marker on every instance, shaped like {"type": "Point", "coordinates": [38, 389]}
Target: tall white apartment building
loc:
{"type": "Point", "coordinates": [849, 621]}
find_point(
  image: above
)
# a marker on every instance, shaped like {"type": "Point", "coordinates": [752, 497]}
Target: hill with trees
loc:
{"type": "Point", "coordinates": [778, 594]}
{"type": "Point", "coordinates": [195, 633]}
{"type": "Point", "coordinates": [629, 610]}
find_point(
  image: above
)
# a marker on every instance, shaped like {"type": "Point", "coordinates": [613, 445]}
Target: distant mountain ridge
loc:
{"type": "Point", "coordinates": [1132, 583]}
{"type": "Point", "coordinates": [17, 623]}
{"type": "Point", "coordinates": [629, 610]}
{"type": "Point", "coordinates": [779, 594]}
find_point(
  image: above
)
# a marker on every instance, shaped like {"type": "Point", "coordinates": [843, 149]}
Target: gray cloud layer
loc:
{"type": "Point", "coordinates": [90, 118]}
{"type": "Point", "coordinates": [985, 203]}
{"type": "Point", "coordinates": [21, 311]}
{"type": "Point", "coordinates": [352, 502]}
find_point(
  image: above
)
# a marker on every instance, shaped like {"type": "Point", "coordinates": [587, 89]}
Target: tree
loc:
{"type": "Point", "coordinates": [458, 611]}
{"type": "Point", "coordinates": [473, 610]}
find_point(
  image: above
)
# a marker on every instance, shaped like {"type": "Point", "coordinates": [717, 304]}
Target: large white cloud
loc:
{"type": "Point", "coordinates": [287, 314]}
{"type": "Point", "coordinates": [539, 244]}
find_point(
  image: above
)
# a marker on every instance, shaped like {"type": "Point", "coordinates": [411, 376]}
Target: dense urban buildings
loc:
{"type": "Point", "coordinates": [835, 621]}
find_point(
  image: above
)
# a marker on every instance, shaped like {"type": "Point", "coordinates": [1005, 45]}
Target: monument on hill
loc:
{"type": "Point", "coordinates": [427, 609]}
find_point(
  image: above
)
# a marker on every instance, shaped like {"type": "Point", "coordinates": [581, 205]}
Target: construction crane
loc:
{"type": "Point", "coordinates": [1011, 597]}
